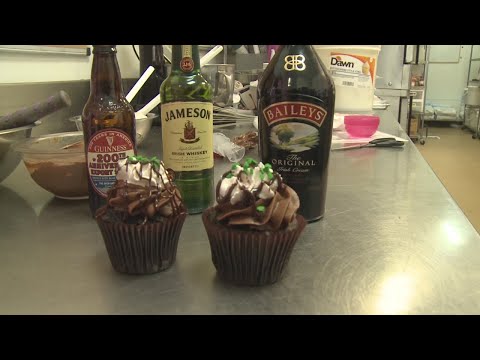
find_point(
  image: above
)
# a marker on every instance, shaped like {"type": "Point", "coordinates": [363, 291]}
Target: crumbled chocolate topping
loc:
{"type": "Point", "coordinates": [254, 196]}
{"type": "Point", "coordinates": [138, 198]}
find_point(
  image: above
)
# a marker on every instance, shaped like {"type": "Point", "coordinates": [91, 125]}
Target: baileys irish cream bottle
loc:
{"type": "Point", "coordinates": [295, 111]}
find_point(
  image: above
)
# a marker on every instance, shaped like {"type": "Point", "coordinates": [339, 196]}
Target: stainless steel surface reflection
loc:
{"type": "Point", "coordinates": [393, 241]}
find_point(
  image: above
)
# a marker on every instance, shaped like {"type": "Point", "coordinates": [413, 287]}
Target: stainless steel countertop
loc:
{"type": "Point", "coordinates": [392, 241]}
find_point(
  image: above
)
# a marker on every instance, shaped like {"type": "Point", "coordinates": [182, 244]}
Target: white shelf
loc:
{"type": "Point", "coordinates": [47, 49]}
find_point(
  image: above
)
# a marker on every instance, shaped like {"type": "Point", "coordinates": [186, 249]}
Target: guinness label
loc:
{"type": "Point", "coordinates": [104, 150]}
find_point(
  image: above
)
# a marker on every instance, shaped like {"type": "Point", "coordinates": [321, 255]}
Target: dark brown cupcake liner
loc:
{"type": "Point", "coordinates": [142, 249]}
{"type": "Point", "coordinates": [250, 257]}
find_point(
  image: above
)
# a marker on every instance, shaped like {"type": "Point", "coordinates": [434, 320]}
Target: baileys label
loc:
{"type": "Point", "coordinates": [293, 128]}
{"type": "Point", "coordinates": [295, 110]}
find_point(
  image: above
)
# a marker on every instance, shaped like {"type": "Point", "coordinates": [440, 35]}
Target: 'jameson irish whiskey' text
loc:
{"type": "Point", "coordinates": [187, 128]}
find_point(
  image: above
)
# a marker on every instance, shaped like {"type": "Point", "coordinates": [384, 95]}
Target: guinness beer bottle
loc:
{"type": "Point", "coordinates": [295, 111]}
{"type": "Point", "coordinates": [108, 124]}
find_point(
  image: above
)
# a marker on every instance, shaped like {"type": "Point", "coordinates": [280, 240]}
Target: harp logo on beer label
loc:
{"type": "Point", "coordinates": [104, 150]}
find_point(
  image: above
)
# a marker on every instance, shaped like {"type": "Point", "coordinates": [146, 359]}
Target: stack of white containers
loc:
{"type": "Point", "coordinates": [353, 69]}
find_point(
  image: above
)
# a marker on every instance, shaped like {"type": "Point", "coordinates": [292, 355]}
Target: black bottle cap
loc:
{"type": "Point", "coordinates": [104, 48]}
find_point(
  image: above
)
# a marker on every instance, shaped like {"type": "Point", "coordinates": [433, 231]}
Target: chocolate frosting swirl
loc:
{"type": "Point", "coordinates": [143, 192]}
{"type": "Point", "coordinates": [246, 198]}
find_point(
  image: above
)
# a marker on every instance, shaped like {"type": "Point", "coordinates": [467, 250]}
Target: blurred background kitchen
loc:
{"type": "Point", "coordinates": [32, 73]}
{"type": "Point", "coordinates": [433, 91]}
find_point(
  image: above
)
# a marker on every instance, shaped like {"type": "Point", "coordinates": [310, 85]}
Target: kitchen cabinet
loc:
{"type": "Point", "coordinates": [444, 54]}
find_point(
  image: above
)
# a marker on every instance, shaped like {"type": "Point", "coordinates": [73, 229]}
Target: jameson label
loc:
{"type": "Point", "coordinates": [104, 150]}
{"type": "Point", "coordinates": [294, 136]}
{"type": "Point", "coordinates": [187, 135]}
{"type": "Point", "coordinates": [186, 64]}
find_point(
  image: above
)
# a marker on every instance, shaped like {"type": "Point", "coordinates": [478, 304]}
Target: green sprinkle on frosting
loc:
{"type": "Point", "coordinates": [266, 171]}
{"type": "Point", "coordinates": [261, 208]}
{"type": "Point", "coordinates": [249, 162]}
{"type": "Point", "coordinates": [144, 160]}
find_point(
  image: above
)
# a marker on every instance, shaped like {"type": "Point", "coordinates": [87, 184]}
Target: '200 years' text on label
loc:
{"type": "Point", "coordinates": [187, 135]}
{"type": "Point", "coordinates": [105, 149]}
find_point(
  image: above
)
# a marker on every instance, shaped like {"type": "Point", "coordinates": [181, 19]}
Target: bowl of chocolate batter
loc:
{"type": "Point", "coordinates": [9, 159]}
{"type": "Point", "coordinates": [56, 162]}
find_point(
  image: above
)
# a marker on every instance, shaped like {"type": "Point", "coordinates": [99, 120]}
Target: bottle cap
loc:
{"type": "Point", "coordinates": [104, 48]}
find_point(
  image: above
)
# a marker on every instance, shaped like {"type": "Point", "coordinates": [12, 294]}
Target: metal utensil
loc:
{"type": "Point", "coordinates": [29, 114]}
{"type": "Point", "coordinates": [381, 142]}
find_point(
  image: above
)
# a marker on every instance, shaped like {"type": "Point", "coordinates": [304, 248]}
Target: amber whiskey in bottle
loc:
{"type": "Point", "coordinates": [295, 118]}
{"type": "Point", "coordinates": [187, 128]}
{"type": "Point", "coordinates": [108, 125]}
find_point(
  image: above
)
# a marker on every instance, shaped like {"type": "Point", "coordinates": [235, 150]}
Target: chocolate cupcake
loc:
{"type": "Point", "coordinates": [143, 217]}
{"type": "Point", "coordinates": [254, 225]}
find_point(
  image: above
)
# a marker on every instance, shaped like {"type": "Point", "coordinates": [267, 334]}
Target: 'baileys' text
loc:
{"type": "Point", "coordinates": [294, 110]}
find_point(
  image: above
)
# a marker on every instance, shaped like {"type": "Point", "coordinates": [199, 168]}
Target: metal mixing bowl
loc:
{"type": "Point", "coordinates": [143, 125]}
{"type": "Point", "coordinates": [9, 159]}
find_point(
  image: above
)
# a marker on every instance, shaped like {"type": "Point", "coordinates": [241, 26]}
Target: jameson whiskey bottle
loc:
{"type": "Point", "coordinates": [187, 128]}
{"type": "Point", "coordinates": [108, 124]}
{"type": "Point", "coordinates": [295, 118]}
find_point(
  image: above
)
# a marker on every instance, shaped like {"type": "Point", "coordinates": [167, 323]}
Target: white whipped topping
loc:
{"type": "Point", "coordinates": [251, 182]}
{"type": "Point", "coordinates": [143, 175]}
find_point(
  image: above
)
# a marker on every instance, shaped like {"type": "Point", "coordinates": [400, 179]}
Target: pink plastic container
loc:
{"type": "Point", "coordinates": [361, 126]}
